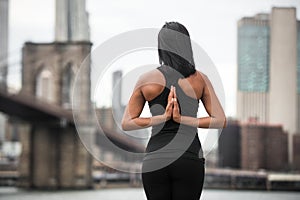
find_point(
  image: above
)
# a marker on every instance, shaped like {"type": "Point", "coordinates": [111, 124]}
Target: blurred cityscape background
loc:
{"type": "Point", "coordinates": [40, 149]}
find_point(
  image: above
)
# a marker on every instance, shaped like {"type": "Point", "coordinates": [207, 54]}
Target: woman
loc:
{"type": "Point", "coordinates": [173, 91]}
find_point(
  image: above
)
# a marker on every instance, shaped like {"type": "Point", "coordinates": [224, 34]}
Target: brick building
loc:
{"type": "Point", "coordinates": [254, 146]}
{"type": "Point", "coordinates": [263, 147]}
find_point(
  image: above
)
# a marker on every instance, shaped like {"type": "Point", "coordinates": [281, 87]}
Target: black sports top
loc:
{"type": "Point", "coordinates": [171, 139]}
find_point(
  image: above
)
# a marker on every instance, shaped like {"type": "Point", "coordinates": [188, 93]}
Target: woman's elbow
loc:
{"type": "Point", "coordinates": [224, 122]}
{"type": "Point", "coordinates": [124, 125]}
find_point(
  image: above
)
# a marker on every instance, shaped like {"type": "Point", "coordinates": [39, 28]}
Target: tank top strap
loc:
{"type": "Point", "coordinates": [170, 74]}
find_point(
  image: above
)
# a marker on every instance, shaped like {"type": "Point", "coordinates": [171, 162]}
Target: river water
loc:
{"type": "Point", "coordinates": [7, 193]}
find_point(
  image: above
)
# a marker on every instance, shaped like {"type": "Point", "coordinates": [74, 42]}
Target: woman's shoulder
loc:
{"type": "Point", "coordinates": [199, 76]}
{"type": "Point", "coordinates": [204, 79]}
{"type": "Point", "coordinates": [151, 84]}
{"type": "Point", "coordinates": [152, 76]}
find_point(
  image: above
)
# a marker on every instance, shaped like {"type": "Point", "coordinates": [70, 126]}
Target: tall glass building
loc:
{"type": "Point", "coordinates": [71, 21]}
{"type": "Point", "coordinates": [253, 67]}
{"type": "Point", "coordinates": [4, 19]}
{"type": "Point", "coordinates": [253, 54]}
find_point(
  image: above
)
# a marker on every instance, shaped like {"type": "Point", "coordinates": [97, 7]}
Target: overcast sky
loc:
{"type": "Point", "coordinates": [212, 24]}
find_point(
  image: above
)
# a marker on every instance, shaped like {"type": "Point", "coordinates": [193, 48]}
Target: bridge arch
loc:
{"type": "Point", "coordinates": [44, 83]}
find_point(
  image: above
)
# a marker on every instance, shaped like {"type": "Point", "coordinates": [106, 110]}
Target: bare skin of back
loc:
{"type": "Point", "coordinates": [152, 83]}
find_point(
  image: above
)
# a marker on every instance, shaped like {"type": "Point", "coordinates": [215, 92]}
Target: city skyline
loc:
{"type": "Point", "coordinates": [204, 26]}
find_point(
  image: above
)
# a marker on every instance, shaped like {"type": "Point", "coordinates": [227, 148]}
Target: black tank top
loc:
{"type": "Point", "coordinates": [171, 139]}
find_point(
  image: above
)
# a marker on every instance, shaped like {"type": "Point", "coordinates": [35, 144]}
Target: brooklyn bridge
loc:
{"type": "Point", "coordinates": [52, 153]}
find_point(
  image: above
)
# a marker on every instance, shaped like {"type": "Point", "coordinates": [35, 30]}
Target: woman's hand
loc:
{"type": "Point", "coordinates": [169, 107]}
{"type": "Point", "coordinates": [176, 110]}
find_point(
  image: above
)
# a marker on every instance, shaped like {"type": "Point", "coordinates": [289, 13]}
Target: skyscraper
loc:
{"type": "Point", "coordinates": [283, 69]}
{"type": "Point", "coordinates": [71, 21]}
{"type": "Point", "coordinates": [253, 67]}
{"type": "Point", "coordinates": [267, 68]}
{"type": "Point", "coordinates": [3, 57]}
{"type": "Point", "coordinates": [3, 42]}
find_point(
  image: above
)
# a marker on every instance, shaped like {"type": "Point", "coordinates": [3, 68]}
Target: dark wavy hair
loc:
{"type": "Point", "coordinates": [175, 49]}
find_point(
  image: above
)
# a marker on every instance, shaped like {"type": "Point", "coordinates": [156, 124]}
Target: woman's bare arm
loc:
{"type": "Point", "coordinates": [131, 118]}
{"type": "Point", "coordinates": [216, 118]}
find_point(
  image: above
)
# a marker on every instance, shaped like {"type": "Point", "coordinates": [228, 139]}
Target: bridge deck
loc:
{"type": "Point", "coordinates": [30, 108]}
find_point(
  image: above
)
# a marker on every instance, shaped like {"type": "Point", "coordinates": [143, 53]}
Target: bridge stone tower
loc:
{"type": "Point", "coordinates": [52, 154]}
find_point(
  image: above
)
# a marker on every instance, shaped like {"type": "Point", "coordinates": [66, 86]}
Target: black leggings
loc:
{"type": "Point", "coordinates": [182, 179]}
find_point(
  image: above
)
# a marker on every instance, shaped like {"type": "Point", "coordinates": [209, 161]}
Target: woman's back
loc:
{"type": "Point", "coordinates": [189, 91]}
